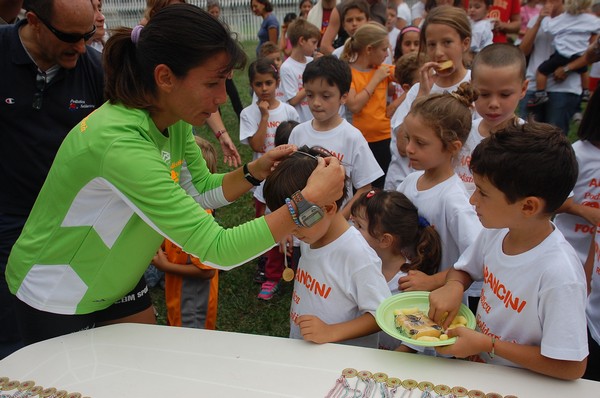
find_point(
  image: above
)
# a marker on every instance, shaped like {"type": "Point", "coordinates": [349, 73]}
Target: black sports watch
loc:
{"type": "Point", "coordinates": [308, 213]}
{"type": "Point", "coordinates": [249, 177]}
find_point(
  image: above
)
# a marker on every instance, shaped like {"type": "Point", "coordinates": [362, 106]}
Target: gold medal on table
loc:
{"type": "Point", "coordinates": [288, 273]}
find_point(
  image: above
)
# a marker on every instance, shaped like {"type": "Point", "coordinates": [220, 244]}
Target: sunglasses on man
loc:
{"type": "Point", "coordinates": [68, 37]}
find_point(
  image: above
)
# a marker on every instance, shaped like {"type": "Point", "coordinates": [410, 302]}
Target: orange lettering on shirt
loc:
{"type": "Point", "coordinates": [502, 292]}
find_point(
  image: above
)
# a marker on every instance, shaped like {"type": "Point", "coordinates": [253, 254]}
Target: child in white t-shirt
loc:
{"type": "Point", "coordinates": [436, 128]}
{"type": "Point", "coordinates": [448, 31]}
{"type": "Point", "coordinates": [573, 31]}
{"type": "Point", "coordinates": [326, 82]}
{"type": "Point", "coordinates": [532, 308]}
{"type": "Point", "coordinates": [258, 123]}
{"type": "Point", "coordinates": [338, 285]}
{"type": "Point", "coordinates": [592, 273]}
{"type": "Point", "coordinates": [481, 27]}
{"type": "Point", "coordinates": [498, 74]}
{"type": "Point", "coordinates": [578, 228]}
{"type": "Point", "coordinates": [402, 239]}
{"type": "Point", "coordinates": [304, 37]}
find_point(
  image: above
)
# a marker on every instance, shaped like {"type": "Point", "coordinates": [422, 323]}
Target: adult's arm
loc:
{"type": "Point", "coordinates": [331, 32]}
{"type": "Point", "coordinates": [591, 55]}
{"type": "Point", "coordinates": [231, 156]}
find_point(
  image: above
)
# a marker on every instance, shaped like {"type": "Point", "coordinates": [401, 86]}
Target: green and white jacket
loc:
{"type": "Point", "coordinates": [110, 198]}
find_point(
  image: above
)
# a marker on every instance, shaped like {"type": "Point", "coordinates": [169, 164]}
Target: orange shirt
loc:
{"type": "Point", "coordinates": [371, 120]}
{"type": "Point", "coordinates": [176, 287]}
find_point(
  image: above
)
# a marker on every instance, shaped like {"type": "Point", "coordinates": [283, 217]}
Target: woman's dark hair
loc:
{"type": "Point", "coordinates": [268, 5]}
{"type": "Point", "coordinates": [180, 36]}
{"type": "Point", "coordinates": [589, 129]}
{"type": "Point", "coordinates": [391, 212]}
{"type": "Point", "coordinates": [263, 66]}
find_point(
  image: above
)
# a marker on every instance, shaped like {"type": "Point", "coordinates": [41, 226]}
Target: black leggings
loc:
{"type": "Point", "coordinates": [39, 325]}
{"type": "Point", "coordinates": [381, 151]}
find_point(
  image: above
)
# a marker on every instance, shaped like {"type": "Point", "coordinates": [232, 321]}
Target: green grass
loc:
{"type": "Point", "coordinates": [239, 309]}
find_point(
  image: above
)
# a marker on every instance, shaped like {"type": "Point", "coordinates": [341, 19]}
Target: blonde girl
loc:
{"type": "Point", "coordinates": [445, 36]}
{"type": "Point", "coordinates": [365, 52]}
{"type": "Point", "coordinates": [436, 128]}
{"type": "Point", "coordinates": [403, 240]}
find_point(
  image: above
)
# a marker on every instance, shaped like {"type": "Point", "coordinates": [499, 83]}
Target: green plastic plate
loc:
{"type": "Point", "coordinates": [385, 316]}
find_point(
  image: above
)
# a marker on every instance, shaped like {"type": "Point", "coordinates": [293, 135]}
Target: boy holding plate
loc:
{"type": "Point", "coordinates": [532, 308]}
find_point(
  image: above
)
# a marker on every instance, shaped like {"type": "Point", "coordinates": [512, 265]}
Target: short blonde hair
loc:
{"type": "Point", "coordinates": [576, 7]}
{"type": "Point", "coordinates": [209, 153]}
{"type": "Point", "coordinates": [302, 28]}
{"type": "Point", "coordinates": [370, 34]}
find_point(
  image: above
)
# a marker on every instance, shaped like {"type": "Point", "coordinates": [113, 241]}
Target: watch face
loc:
{"type": "Point", "coordinates": [311, 216]}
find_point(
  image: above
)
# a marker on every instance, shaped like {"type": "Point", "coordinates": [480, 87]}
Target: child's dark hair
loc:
{"type": "Point", "coordinates": [333, 70]}
{"type": "Point", "coordinates": [403, 32]}
{"type": "Point", "coordinates": [589, 129]}
{"type": "Point", "coordinates": [530, 159]}
{"type": "Point", "coordinates": [302, 28]}
{"type": "Point", "coordinates": [391, 212]}
{"type": "Point", "coordinates": [262, 66]}
{"type": "Point", "coordinates": [283, 131]}
{"type": "Point", "coordinates": [498, 55]}
{"type": "Point", "coordinates": [407, 68]}
{"type": "Point", "coordinates": [290, 16]}
{"type": "Point", "coordinates": [291, 175]}
{"type": "Point", "coordinates": [360, 5]}
{"type": "Point", "coordinates": [268, 48]}
{"type": "Point", "coordinates": [448, 114]}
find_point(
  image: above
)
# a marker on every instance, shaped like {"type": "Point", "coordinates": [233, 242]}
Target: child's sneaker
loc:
{"type": "Point", "coordinates": [268, 289]}
{"type": "Point", "coordinates": [539, 98]}
{"type": "Point", "coordinates": [585, 96]}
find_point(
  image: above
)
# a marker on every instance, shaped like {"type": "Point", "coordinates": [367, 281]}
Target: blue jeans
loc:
{"type": "Point", "coordinates": [559, 109]}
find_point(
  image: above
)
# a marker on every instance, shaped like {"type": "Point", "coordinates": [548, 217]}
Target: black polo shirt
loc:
{"type": "Point", "coordinates": [30, 138]}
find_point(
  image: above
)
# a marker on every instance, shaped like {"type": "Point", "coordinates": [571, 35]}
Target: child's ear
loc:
{"type": "Point", "coordinates": [406, 86]}
{"type": "Point", "coordinates": [386, 240]}
{"type": "Point", "coordinates": [532, 206]}
{"type": "Point", "coordinates": [331, 208]}
{"type": "Point", "coordinates": [524, 88]}
{"type": "Point", "coordinates": [454, 147]}
{"type": "Point", "coordinates": [344, 98]}
{"type": "Point", "coordinates": [466, 44]}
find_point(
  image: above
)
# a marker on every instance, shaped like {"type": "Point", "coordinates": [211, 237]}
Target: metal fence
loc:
{"type": "Point", "coordinates": [235, 13]}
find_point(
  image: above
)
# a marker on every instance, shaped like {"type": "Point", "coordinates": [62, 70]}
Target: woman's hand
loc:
{"type": "Point", "coordinates": [326, 182]}
{"type": "Point", "coordinates": [262, 167]}
{"type": "Point", "coordinates": [231, 156]}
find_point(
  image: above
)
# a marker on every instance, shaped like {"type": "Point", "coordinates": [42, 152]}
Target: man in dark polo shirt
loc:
{"type": "Point", "coordinates": [49, 82]}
